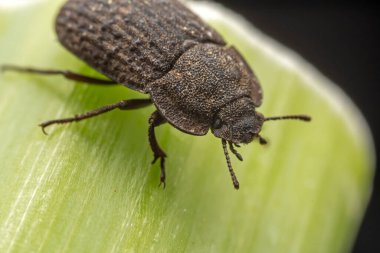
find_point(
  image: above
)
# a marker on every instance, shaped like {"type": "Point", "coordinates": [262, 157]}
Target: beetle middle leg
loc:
{"type": "Point", "coordinates": [122, 105]}
{"type": "Point", "coordinates": [156, 120]}
{"type": "Point", "coordinates": [65, 73]}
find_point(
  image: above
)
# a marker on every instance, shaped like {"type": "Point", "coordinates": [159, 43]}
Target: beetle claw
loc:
{"type": "Point", "coordinates": [43, 128]}
{"type": "Point", "coordinates": [163, 183]}
{"type": "Point", "coordinates": [155, 159]}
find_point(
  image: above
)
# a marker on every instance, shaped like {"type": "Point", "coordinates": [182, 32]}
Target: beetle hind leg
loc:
{"type": "Point", "coordinates": [156, 120]}
{"type": "Point", "coordinates": [65, 73]}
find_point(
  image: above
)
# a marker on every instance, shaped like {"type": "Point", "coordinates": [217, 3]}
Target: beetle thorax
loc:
{"type": "Point", "coordinates": [238, 122]}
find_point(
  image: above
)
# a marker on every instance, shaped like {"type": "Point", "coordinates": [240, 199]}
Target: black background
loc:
{"type": "Point", "coordinates": [341, 39]}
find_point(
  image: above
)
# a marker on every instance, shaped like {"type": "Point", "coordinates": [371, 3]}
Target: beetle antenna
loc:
{"type": "Point", "coordinates": [232, 173]}
{"type": "Point", "coordinates": [234, 151]}
{"type": "Point", "coordinates": [297, 117]}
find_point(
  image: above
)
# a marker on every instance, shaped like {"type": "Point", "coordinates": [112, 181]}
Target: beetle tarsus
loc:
{"type": "Point", "coordinates": [162, 157]}
{"type": "Point", "coordinates": [43, 126]}
{"type": "Point", "coordinates": [163, 174]}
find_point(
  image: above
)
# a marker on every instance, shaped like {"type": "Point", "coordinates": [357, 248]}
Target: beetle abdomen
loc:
{"type": "Point", "coordinates": [133, 42]}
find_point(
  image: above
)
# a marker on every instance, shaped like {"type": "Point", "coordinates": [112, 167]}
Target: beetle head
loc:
{"type": "Point", "coordinates": [238, 122]}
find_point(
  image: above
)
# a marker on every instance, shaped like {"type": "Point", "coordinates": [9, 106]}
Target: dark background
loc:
{"type": "Point", "coordinates": [341, 39]}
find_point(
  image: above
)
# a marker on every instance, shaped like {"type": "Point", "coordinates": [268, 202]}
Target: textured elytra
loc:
{"type": "Point", "coordinates": [133, 42]}
{"type": "Point", "coordinates": [161, 48]}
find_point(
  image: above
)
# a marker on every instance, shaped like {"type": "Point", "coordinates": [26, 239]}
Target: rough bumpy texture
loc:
{"type": "Point", "coordinates": [204, 80]}
{"type": "Point", "coordinates": [133, 42]}
{"type": "Point", "coordinates": [238, 121]}
{"type": "Point", "coordinates": [161, 48]}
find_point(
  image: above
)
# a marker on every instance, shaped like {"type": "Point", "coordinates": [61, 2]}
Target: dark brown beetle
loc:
{"type": "Point", "coordinates": [161, 48]}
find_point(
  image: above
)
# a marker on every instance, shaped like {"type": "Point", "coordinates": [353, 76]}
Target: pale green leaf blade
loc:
{"type": "Point", "coordinates": [89, 187]}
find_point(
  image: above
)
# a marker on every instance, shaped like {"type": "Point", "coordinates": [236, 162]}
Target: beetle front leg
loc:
{"type": "Point", "coordinates": [156, 120]}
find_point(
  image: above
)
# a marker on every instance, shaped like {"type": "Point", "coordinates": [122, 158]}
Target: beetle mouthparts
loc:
{"type": "Point", "coordinates": [230, 169]}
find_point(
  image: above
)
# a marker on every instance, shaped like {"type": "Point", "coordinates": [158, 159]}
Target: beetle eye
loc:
{"type": "Point", "coordinates": [217, 123]}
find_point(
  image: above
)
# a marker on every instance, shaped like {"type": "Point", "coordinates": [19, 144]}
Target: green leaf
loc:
{"type": "Point", "coordinates": [90, 187]}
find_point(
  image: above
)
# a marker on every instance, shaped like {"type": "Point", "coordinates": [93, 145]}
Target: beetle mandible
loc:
{"type": "Point", "coordinates": [159, 47]}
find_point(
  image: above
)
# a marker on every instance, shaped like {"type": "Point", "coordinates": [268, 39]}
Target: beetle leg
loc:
{"type": "Point", "coordinates": [67, 74]}
{"type": "Point", "coordinates": [154, 121]}
{"type": "Point", "coordinates": [122, 105]}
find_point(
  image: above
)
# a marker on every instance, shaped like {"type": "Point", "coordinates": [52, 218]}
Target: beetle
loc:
{"type": "Point", "coordinates": [193, 78]}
